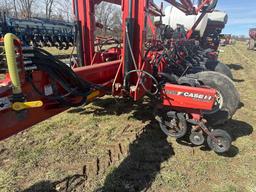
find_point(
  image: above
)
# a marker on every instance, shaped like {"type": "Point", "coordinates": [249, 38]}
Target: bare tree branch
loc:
{"type": "Point", "coordinates": [48, 8]}
{"type": "Point", "coordinates": [25, 7]}
{"type": "Point", "coordinates": [108, 15]}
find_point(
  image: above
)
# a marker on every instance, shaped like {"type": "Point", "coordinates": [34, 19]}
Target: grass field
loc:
{"type": "Point", "coordinates": [111, 145]}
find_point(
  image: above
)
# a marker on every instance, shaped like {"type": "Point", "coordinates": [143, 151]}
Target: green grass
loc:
{"type": "Point", "coordinates": [55, 51]}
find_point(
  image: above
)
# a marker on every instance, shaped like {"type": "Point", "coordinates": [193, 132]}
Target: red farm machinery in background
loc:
{"type": "Point", "coordinates": [36, 86]}
{"type": "Point", "coordinates": [252, 40]}
{"type": "Point", "coordinates": [225, 39]}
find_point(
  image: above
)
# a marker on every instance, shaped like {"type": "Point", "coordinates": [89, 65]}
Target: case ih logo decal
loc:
{"type": "Point", "coordinates": [196, 96]}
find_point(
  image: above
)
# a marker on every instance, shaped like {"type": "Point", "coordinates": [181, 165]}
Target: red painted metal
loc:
{"type": "Point", "coordinates": [152, 27]}
{"type": "Point", "coordinates": [154, 9]}
{"type": "Point", "coordinates": [188, 4]}
{"type": "Point", "coordinates": [6, 82]}
{"type": "Point", "coordinates": [201, 6]}
{"type": "Point", "coordinates": [86, 16]}
{"type": "Point", "coordinates": [188, 97]}
{"type": "Point", "coordinates": [13, 122]}
{"type": "Point", "coordinates": [99, 73]}
{"type": "Point", "coordinates": [140, 14]}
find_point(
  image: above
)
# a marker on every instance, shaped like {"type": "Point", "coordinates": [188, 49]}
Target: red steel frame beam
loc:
{"type": "Point", "coordinates": [178, 5]}
{"type": "Point", "coordinates": [13, 122]}
{"type": "Point", "coordinates": [86, 15]}
{"type": "Point", "coordinates": [187, 7]}
{"type": "Point", "coordinates": [85, 11]}
{"type": "Point", "coordinates": [140, 12]}
{"type": "Point", "coordinates": [140, 16]}
{"type": "Point", "coordinates": [188, 4]}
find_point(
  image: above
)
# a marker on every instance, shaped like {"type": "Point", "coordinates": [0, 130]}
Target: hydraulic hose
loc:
{"type": "Point", "coordinates": [138, 71]}
{"type": "Point", "coordinates": [144, 87]}
{"type": "Point", "coordinates": [62, 74]}
{"type": "Point", "coordinates": [12, 63]}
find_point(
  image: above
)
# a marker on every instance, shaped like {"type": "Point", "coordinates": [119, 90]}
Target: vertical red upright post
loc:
{"type": "Point", "coordinates": [85, 11]}
{"type": "Point", "coordinates": [139, 14]}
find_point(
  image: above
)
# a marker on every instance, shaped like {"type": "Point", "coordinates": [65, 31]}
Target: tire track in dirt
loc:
{"type": "Point", "coordinates": [248, 65]}
{"type": "Point", "coordinates": [126, 156]}
{"type": "Point", "coordinates": [245, 82]}
{"type": "Point", "coordinates": [247, 86]}
{"type": "Point", "coordinates": [96, 166]}
{"type": "Point", "coordinates": [114, 154]}
{"type": "Point", "coordinates": [242, 55]}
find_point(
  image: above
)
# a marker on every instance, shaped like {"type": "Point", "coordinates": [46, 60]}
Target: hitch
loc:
{"type": "Point", "coordinates": [19, 106]}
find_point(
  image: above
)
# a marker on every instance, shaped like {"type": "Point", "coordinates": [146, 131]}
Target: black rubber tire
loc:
{"type": "Point", "coordinates": [225, 139]}
{"type": "Point", "coordinates": [196, 142]}
{"type": "Point", "coordinates": [226, 88]}
{"type": "Point", "coordinates": [219, 67]}
{"type": "Point", "coordinates": [176, 135]}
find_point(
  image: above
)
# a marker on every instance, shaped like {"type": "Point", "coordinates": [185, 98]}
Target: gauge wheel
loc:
{"type": "Point", "coordinates": [196, 138]}
{"type": "Point", "coordinates": [223, 143]}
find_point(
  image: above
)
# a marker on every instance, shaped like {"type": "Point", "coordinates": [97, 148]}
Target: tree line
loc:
{"type": "Point", "coordinates": [107, 14]}
{"type": "Point", "coordinates": [50, 9]}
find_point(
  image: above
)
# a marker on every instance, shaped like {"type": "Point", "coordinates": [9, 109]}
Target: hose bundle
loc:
{"type": "Point", "coordinates": [61, 74]}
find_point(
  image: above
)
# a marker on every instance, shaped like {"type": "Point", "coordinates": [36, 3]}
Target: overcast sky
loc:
{"type": "Point", "coordinates": [242, 15]}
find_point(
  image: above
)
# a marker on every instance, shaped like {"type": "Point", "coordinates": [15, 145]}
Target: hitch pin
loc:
{"type": "Point", "coordinates": [18, 106]}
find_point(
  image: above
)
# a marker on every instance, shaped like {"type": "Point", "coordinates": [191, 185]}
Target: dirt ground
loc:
{"type": "Point", "coordinates": [114, 146]}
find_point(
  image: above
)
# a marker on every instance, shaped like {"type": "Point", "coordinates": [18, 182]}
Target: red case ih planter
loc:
{"type": "Point", "coordinates": [50, 86]}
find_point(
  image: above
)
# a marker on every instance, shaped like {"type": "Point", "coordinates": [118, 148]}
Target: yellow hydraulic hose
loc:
{"type": "Point", "coordinates": [12, 63]}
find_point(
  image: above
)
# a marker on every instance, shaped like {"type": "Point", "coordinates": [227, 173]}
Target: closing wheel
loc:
{"type": "Point", "coordinates": [222, 143]}
{"type": "Point", "coordinates": [174, 127]}
{"type": "Point", "coordinates": [196, 138]}
{"type": "Point", "coordinates": [219, 67]}
{"type": "Point", "coordinates": [227, 97]}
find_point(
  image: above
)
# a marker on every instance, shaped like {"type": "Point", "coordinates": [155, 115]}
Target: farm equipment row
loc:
{"type": "Point", "coordinates": [180, 76]}
{"type": "Point", "coordinates": [39, 32]}
{"type": "Point", "coordinates": [188, 57]}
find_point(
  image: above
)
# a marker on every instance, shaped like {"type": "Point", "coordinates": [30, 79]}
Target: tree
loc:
{"type": "Point", "coordinates": [48, 8]}
{"type": "Point", "coordinates": [109, 16]}
{"type": "Point", "coordinates": [25, 8]}
{"type": "Point", "coordinates": [6, 7]}
{"type": "Point", "coordinates": [15, 9]}
{"type": "Point", "coordinates": [63, 9]}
